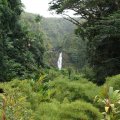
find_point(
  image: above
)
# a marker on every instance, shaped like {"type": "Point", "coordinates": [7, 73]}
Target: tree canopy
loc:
{"type": "Point", "coordinates": [18, 51]}
{"type": "Point", "coordinates": [101, 30]}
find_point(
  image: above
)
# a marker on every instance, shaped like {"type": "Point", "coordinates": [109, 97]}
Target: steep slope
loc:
{"type": "Point", "coordinates": [55, 29]}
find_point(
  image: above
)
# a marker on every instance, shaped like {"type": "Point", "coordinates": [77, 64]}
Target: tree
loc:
{"type": "Point", "coordinates": [9, 27]}
{"type": "Point", "coordinates": [18, 58]}
{"type": "Point", "coordinates": [97, 29]}
{"type": "Point", "coordinates": [104, 47]}
{"type": "Point", "coordinates": [75, 48]}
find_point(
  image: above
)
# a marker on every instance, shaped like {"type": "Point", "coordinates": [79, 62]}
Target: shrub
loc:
{"type": "Point", "coordinates": [111, 104]}
{"type": "Point", "coordinates": [72, 89]}
{"type": "Point", "coordinates": [17, 107]}
{"type": "Point", "coordinates": [114, 82]}
{"type": "Point", "coordinates": [67, 111]}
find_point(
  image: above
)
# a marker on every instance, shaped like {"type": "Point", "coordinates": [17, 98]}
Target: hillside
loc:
{"type": "Point", "coordinates": [58, 36]}
{"type": "Point", "coordinates": [55, 29]}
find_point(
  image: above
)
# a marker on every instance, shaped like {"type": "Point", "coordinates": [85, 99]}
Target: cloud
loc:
{"type": "Point", "coordinates": [38, 7]}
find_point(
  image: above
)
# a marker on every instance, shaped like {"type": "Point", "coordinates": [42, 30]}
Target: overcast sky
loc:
{"type": "Point", "coordinates": [39, 7]}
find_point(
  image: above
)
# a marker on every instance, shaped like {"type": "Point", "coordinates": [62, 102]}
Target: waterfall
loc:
{"type": "Point", "coordinates": [59, 62]}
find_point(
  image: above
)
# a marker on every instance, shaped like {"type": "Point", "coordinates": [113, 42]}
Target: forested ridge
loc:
{"type": "Point", "coordinates": [55, 29]}
{"type": "Point", "coordinates": [59, 34]}
{"type": "Point", "coordinates": [87, 84]}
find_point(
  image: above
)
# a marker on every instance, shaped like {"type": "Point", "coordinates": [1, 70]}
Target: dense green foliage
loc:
{"type": "Point", "coordinates": [105, 40]}
{"type": "Point", "coordinates": [114, 82]}
{"type": "Point", "coordinates": [100, 29]}
{"type": "Point", "coordinates": [53, 96]}
{"type": "Point", "coordinates": [32, 88]}
{"type": "Point", "coordinates": [58, 36]}
{"type": "Point", "coordinates": [111, 104]}
{"type": "Point", "coordinates": [55, 29]}
{"type": "Point", "coordinates": [21, 51]}
{"type": "Point", "coordinates": [76, 50]}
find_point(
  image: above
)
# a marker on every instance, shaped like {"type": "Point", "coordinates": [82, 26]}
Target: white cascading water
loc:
{"type": "Point", "coordinates": [59, 62]}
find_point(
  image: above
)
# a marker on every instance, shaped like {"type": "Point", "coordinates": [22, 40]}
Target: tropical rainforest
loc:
{"type": "Point", "coordinates": [87, 87]}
